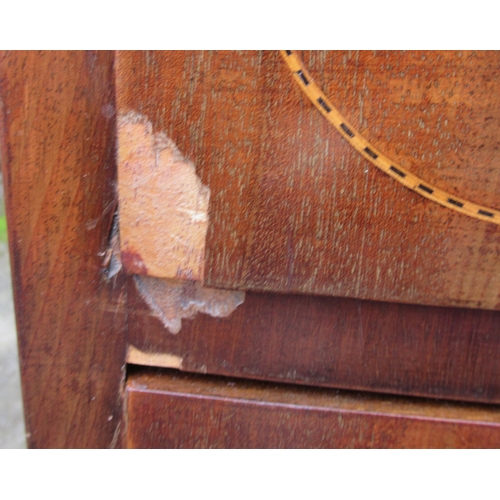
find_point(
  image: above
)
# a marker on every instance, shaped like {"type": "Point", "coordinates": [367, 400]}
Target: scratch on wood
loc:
{"type": "Point", "coordinates": [112, 261]}
{"type": "Point", "coordinates": [116, 436]}
{"type": "Point", "coordinates": [163, 204]}
{"type": "Point", "coordinates": [172, 300]}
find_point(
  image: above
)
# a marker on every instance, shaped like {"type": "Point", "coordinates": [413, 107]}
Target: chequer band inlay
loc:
{"type": "Point", "coordinates": [381, 161]}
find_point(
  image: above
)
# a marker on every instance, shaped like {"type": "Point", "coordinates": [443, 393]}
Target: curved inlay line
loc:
{"type": "Point", "coordinates": [371, 153]}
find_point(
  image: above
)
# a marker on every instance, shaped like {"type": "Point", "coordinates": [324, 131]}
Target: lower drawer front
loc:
{"type": "Point", "coordinates": [170, 409]}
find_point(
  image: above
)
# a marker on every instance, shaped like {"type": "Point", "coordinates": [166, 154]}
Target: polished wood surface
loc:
{"type": "Point", "coordinates": [171, 410]}
{"type": "Point", "coordinates": [387, 165]}
{"type": "Point", "coordinates": [294, 208]}
{"type": "Point", "coordinates": [58, 159]}
{"type": "Point", "coordinates": [336, 342]}
{"type": "Point", "coordinates": [76, 325]}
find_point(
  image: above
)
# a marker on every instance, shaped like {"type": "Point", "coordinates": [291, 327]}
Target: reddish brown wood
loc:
{"type": "Point", "coordinates": [57, 139]}
{"type": "Point", "coordinates": [170, 410]}
{"type": "Point", "coordinates": [295, 209]}
{"type": "Point", "coordinates": [57, 143]}
{"type": "Point", "coordinates": [336, 342]}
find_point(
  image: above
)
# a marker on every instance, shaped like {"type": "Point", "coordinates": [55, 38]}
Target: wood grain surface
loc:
{"type": "Point", "coordinates": [294, 209]}
{"type": "Point", "coordinates": [163, 205]}
{"type": "Point", "coordinates": [58, 157]}
{"type": "Point", "coordinates": [170, 410]}
{"type": "Point", "coordinates": [354, 344]}
{"type": "Point", "coordinates": [327, 108]}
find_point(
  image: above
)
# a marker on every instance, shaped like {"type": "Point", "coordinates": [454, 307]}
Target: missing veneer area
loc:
{"type": "Point", "coordinates": [163, 221]}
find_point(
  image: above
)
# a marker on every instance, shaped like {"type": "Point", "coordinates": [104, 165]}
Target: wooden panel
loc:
{"type": "Point", "coordinates": [169, 410]}
{"type": "Point", "coordinates": [57, 139]}
{"type": "Point", "coordinates": [164, 202]}
{"type": "Point", "coordinates": [336, 342]}
{"type": "Point", "coordinates": [294, 208]}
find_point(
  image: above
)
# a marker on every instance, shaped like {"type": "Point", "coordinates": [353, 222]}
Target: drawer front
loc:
{"type": "Point", "coordinates": [335, 342]}
{"type": "Point", "coordinates": [168, 410]}
{"type": "Point", "coordinates": [294, 207]}
{"type": "Point", "coordinates": [230, 179]}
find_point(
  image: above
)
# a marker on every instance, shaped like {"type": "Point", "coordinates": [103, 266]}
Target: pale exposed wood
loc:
{"type": "Point", "coordinates": [163, 205]}
{"type": "Point", "coordinates": [164, 360]}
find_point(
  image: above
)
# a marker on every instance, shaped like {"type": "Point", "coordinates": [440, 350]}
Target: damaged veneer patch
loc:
{"type": "Point", "coordinates": [163, 221]}
{"type": "Point", "coordinates": [137, 357]}
{"type": "Point", "coordinates": [172, 300]}
{"type": "Point", "coordinates": [163, 204]}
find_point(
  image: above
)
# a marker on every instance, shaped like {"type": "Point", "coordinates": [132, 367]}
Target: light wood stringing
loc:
{"type": "Point", "coordinates": [294, 208]}
{"type": "Point", "coordinates": [376, 157]}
